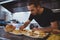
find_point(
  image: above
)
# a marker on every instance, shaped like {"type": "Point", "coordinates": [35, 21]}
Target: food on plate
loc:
{"type": "Point", "coordinates": [29, 33]}
{"type": "Point", "coordinates": [39, 33]}
{"type": "Point", "coordinates": [9, 28]}
{"type": "Point", "coordinates": [16, 32]}
{"type": "Point", "coordinates": [24, 31]}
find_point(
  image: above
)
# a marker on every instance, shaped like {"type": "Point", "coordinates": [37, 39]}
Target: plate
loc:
{"type": "Point", "coordinates": [37, 36]}
{"type": "Point", "coordinates": [16, 33]}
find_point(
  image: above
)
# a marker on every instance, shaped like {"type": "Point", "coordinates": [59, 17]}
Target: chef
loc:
{"type": "Point", "coordinates": [43, 16]}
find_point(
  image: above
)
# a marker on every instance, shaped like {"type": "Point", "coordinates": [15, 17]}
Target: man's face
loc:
{"type": "Point", "coordinates": [32, 9]}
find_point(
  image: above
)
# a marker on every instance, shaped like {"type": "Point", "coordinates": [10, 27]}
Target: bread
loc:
{"type": "Point", "coordinates": [24, 31]}
{"type": "Point", "coordinates": [40, 33]}
{"type": "Point", "coordinates": [29, 33]}
{"type": "Point", "coordinates": [9, 28]}
{"type": "Point", "coordinates": [16, 32]}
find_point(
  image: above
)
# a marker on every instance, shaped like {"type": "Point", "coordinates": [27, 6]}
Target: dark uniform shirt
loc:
{"type": "Point", "coordinates": [44, 19]}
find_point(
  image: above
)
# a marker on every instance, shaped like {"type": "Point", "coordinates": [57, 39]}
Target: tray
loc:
{"type": "Point", "coordinates": [15, 33]}
{"type": "Point", "coordinates": [37, 36]}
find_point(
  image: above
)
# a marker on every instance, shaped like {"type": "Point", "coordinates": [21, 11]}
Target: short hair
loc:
{"type": "Point", "coordinates": [34, 2]}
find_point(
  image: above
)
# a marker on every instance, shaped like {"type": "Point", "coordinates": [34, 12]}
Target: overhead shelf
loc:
{"type": "Point", "coordinates": [7, 1]}
{"type": "Point", "coordinates": [56, 10]}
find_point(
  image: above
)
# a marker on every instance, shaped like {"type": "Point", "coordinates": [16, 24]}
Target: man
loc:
{"type": "Point", "coordinates": [44, 17]}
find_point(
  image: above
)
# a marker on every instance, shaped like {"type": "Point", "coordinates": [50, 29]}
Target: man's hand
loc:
{"type": "Point", "coordinates": [22, 27]}
{"type": "Point", "coordinates": [40, 29]}
{"type": "Point", "coordinates": [56, 31]}
{"type": "Point", "coordinates": [47, 30]}
{"type": "Point", "coordinates": [25, 24]}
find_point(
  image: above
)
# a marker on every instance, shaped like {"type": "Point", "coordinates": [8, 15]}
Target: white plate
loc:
{"type": "Point", "coordinates": [15, 33]}
{"type": "Point", "coordinates": [37, 36]}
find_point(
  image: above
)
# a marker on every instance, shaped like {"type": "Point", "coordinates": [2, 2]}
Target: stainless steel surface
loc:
{"type": "Point", "coordinates": [1, 27]}
{"type": "Point", "coordinates": [56, 10]}
{"type": "Point", "coordinates": [1, 38]}
{"type": "Point", "coordinates": [6, 1]}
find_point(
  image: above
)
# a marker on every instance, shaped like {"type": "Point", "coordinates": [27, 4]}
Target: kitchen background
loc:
{"type": "Point", "coordinates": [17, 10]}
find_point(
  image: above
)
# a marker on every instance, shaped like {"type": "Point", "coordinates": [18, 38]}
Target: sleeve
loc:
{"type": "Point", "coordinates": [52, 17]}
{"type": "Point", "coordinates": [31, 17]}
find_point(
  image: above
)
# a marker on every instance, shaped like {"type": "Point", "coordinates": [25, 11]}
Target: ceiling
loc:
{"type": "Point", "coordinates": [22, 3]}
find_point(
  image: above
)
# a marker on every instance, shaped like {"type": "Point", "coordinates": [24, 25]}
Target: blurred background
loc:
{"type": "Point", "coordinates": [17, 10]}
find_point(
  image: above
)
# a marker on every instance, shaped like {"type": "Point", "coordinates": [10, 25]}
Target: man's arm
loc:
{"type": "Point", "coordinates": [25, 24]}
{"type": "Point", "coordinates": [53, 26]}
